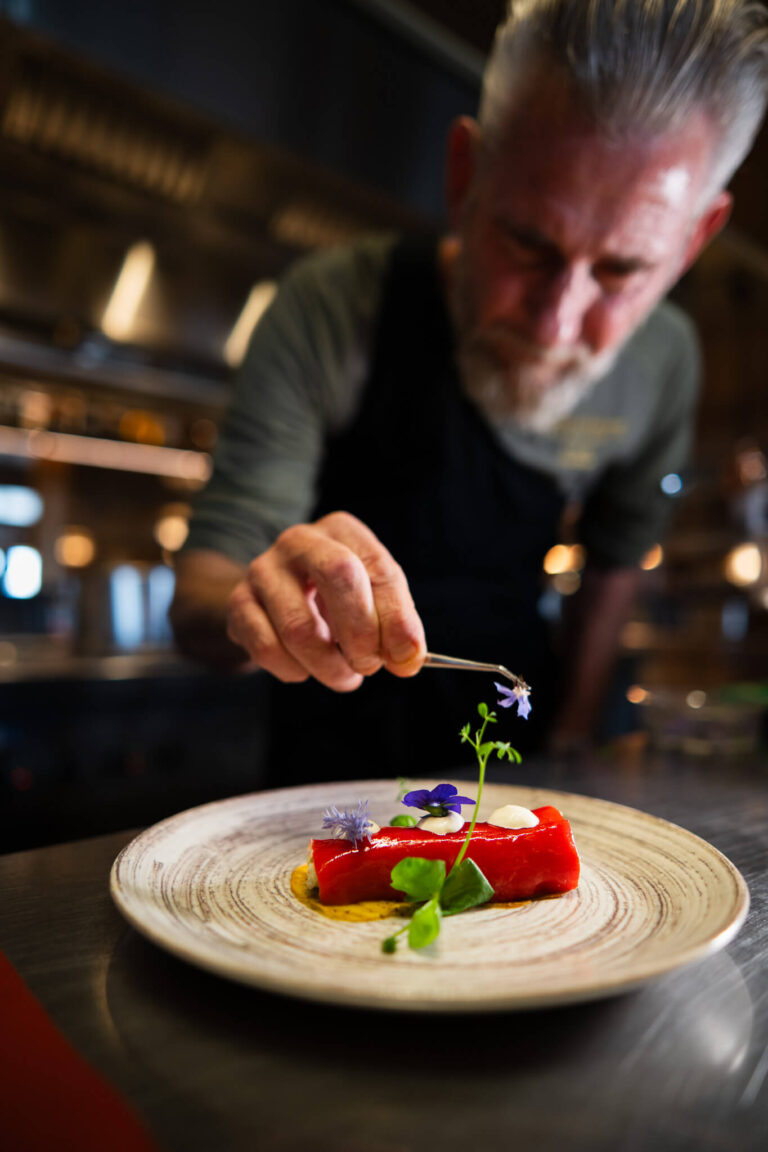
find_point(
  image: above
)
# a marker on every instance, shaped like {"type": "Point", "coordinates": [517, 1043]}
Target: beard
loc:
{"type": "Point", "coordinates": [536, 391]}
{"type": "Point", "coordinates": [512, 380]}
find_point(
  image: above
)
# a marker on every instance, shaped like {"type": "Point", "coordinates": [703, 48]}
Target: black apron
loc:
{"type": "Point", "coordinates": [469, 526]}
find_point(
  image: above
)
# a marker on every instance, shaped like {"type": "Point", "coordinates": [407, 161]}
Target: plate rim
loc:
{"type": "Point", "coordinates": [226, 967]}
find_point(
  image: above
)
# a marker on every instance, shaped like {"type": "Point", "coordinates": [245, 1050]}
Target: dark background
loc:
{"type": "Point", "coordinates": [236, 137]}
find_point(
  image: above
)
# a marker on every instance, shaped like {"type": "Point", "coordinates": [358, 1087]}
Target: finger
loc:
{"type": "Point", "coordinates": [401, 640]}
{"type": "Point", "coordinates": [248, 625]}
{"type": "Point", "coordinates": [340, 591]}
{"type": "Point", "coordinates": [344, 599]}
{"type": "Point", "coordinates": [280, 581]}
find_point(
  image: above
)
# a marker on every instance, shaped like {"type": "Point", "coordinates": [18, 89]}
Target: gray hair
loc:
{"type": "Point", "coordinates": [642, 65]}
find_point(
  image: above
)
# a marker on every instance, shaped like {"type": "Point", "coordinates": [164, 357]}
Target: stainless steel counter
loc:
{"type": "Point", "coordinates": [680, 1065]}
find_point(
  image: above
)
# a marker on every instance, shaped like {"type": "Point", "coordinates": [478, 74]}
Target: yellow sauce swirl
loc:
{"type": "Point", "coordinates": [352, 913]}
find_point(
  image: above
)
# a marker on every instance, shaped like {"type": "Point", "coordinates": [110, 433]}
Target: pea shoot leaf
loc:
{"type": "Point", "coordinates": [418, 878]}
{"type": "Point", "coordinates": [425, 924]}
{"type": "Point", "coordinates": [465, 887]}
{"type": "Point", "coordinates": [506, 749]}
{"type": "Point", "coordinates": [403, 820]}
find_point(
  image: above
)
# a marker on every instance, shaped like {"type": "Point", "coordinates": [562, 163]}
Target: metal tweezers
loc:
{"type": "Point", "coordinates": [433, 660]}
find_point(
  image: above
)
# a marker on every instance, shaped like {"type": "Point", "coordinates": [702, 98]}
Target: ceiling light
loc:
{"type": "Point", "coordinates": [652, 558]}
{"type": "Point", "coordinates": [564, 558]}
{"type": "Point", "coordinates": [671, 484]}
{"type": "Point", "coordinates": [19, 506]}
{"type": "Point", "coordinates": [558, 559]}
{"type": "Point", "coordinates": [259, 299]}
{"type": "Point", "coordinates": [130, 286]}
{"type": "Point", "coordinates": [744, 565]}
{"type": "Point", "coordinates": [75, 548]}
{"type": "Point", "coordinates": [23, 576]}
{"type": "Point", "coordinates": [172, 527]}
{"type": "Point", "coordinates": [174, 463]}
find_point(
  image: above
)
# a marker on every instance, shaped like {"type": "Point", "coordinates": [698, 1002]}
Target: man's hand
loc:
{"type": "Point", "coordinates": [327, 600]}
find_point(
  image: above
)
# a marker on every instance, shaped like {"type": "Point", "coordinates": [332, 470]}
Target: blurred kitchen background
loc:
{"type": "Point", "coordinates": [161, 163]}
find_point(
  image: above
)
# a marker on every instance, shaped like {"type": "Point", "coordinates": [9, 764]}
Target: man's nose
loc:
{"type": "Point", "coordinates": [557, 305]}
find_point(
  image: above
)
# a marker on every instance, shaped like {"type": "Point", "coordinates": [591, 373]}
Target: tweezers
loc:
{"type": "Point", "coordinates": [433, 660]}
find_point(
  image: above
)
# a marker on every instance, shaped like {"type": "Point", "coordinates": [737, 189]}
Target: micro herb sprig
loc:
{"type": "Point", "coordinates": [483, 751]}
{"type": "Point", "coordinates": [425, 882]}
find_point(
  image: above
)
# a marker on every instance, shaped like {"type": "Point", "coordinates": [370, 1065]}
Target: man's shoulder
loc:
{"type": "Point", "coordinates": [353, 271]}
{"type": "Point", "coordinates": [664, 349]}
{"type": "Point", "coordinates": [652, 386]}
{"type": "Point", "coordinates": [318, 333]}
{"type": "Point", "coordinates": [667, 333]}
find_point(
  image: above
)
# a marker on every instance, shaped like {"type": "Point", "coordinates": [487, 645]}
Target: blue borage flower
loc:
{"type": "Point", "coordinates": [516, 695]}
{"type": "Point", "coordinates": [438, 801]}
{"type": "Point", "coordinates": [355, 826]}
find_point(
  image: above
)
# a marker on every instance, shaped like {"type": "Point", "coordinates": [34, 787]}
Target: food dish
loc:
{"type": "Point", "coordinates": [518, 863]}
{"type": "Point", "coordinates": [213, 886]}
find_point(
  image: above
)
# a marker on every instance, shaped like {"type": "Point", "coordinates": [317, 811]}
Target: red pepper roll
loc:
{"type": "Point", "coordinates": [518, 863]}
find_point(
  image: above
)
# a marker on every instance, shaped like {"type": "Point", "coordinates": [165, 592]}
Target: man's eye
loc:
{"type": "Point", "coordinates": [524, 250]}
{"type": "Point", "coordinates": [615, 277]}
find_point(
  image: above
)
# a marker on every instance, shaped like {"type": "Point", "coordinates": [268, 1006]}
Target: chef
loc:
{"type": "Point", "coordinates": [415, 421]}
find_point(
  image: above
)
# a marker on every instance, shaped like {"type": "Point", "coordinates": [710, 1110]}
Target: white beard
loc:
{"type": "Point", "coordinates": [534, 402]}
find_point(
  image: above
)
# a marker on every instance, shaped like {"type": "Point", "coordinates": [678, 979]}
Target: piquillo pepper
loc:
{"type": "Point", "coordinates": [517, 862]}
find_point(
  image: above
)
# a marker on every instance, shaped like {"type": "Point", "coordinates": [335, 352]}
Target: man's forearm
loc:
{"type": "Point", "coordinates": [592, 635]}
{"type": "Point", "coordinates": [204, 581]}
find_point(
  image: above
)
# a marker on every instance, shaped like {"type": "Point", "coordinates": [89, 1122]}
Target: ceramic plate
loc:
{"type": "Point", "coordinates": [213, 886]}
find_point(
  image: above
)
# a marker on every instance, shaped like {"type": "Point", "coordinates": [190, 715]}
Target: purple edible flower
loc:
{"type": "Point", "coordinates": [438, 801]}
{"type": "Point", "coordinates": [516, 695]}
{"type": "Point", "coordinates": [355, 826]}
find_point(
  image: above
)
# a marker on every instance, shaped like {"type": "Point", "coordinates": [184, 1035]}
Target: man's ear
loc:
{"type": "Point", "coordinates": [711, 221]}
{"type": "Point", "coordinates": [460, 166]}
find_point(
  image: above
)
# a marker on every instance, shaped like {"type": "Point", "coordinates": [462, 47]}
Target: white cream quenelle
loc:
{"type": "Point", "coordinates": [513, 816]}
{"type": "Point", "coordinates": [442, 825]}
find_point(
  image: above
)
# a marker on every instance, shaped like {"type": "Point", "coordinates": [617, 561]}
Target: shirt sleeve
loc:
{"type": "Point", "coordinates": [627, 511]}
{"type": "Point", "coordinates": [301, 378]}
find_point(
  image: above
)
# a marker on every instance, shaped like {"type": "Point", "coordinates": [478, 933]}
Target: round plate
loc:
{"type": "Point", "coordinates": [213, 886]}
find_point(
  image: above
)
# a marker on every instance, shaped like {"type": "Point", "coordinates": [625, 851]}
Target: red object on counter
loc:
{"type": "Point", "coordinates": [517, 862]}
{"type": "Point", "coordinates": [51, 1100]}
